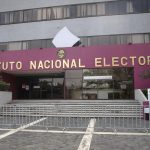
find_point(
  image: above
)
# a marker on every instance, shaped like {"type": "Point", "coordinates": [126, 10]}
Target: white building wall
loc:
{"type": "Point", "coordinates": [5, 97]}
{"type": "Point", "coordinates": [92, 26]}
{"type": "Point", "coordinates": [10, 5]}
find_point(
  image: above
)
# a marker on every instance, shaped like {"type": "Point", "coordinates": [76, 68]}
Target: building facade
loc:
{"type": "Point", "coordinates": [111, 62]}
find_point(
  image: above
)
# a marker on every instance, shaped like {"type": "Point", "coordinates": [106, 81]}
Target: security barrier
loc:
{"type": "Point", "coordinates": [115, 117]}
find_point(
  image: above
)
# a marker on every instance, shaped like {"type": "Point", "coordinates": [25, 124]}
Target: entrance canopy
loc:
{"type": "Point", "coordinates": [54, 59]}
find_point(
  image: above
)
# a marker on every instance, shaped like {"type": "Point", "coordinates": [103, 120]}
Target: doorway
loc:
{"type": "Point", "coordinates": [41, 87]}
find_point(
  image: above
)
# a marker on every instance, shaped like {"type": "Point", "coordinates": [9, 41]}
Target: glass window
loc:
{"type": "Point", "coordinates": [73, 82]}
{"type": "Point", "coordinates": [11, 19]}
{"type": "Point", "coordinates": [44, 44]}
{"type": "Point", "coordinates": [110, 8]}
{"type": "Point", "coordinates": [6, 17]}
{"type": "Point", "coordinates": [100, 8]}
{"type": "Point", "coordinates": [53, 13]}
{"type": "Point", "coordinates": [73, 11]}
{"type": "Point", "coordinates": [113, 39]}
{"type": "Point", "coordinates": [129, 39]}
{"type": "Point", "coordinates": [73, 73]}
{"type": "Point", "coordinates": [148, 6]}
{"type": "Point", "coordinates": [18, 16]}
{"type": "Point", "coordinates": [140, 6]}
{"type": "Point", "coordinates": [3, 46]}
{"type": "Point", "coordinates": [104, 40]}
{"type": "Point", "coordinates": [59, 12]}
{"type": "Point", "coordinates": [116, 7]}
{"type": "Point", "coordinates": [35, 15]}
{"type": "Point", "coordinates": [123, 39]}
{"type": "Point", "coordinates": [49, 43]}
{"type": "Point", "coordinates": [48, 13]}
{"type": "Point", "coordinates": [144, 6]}
{"type": "Point", "coordinates": [44, 13]}
{"type": "Point", "coordinates": [66, 12]}
{"type": "Point", "coordinates": [35, 44]}
{"type": "Point", "coordinates": [2, 18]}
{"type": "Point", "coordinates": [81, 10]}
{"type": "Point", "coordinates": [147, 38]}
{"type": "Point", "coordinates": [94, 40]}
{"type": "Point", "coordinates": [73, 89]}
{"type": "Point", "coordinates": [129, 7]}
{"type": "Point", "coordinates": [90, 72]}
{"type": "Point", "coordinates": [84, 41]}
{"type": "Point", "coordinates": [108, 83]}
{"type": "Point", "coordinates": [91, 9]}
{"type": "Point", "coordinates": [14, 46]}
{"type": "Point", "coordinates": [39, 14]}
{"type": "Point", "coordinates": [138, 38]}
{"type": "Point", "coordinates": [28, 15]}
{"type": "Point", "coordinates": [122, 7]}
{"type": "Point", "coordinates": [25, 45]}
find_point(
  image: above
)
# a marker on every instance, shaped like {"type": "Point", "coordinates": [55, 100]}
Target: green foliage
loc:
{"type": "Point", "coordinates": [4, 86]}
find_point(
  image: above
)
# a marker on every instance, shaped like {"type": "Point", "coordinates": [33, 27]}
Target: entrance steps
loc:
{"type": "Point", "coordinates": [74, 108]}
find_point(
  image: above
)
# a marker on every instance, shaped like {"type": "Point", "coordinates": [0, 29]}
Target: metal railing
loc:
{"type": "Point", "coordinates": [116, 117]}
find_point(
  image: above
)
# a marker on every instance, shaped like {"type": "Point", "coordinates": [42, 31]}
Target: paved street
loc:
{"type": "Point", "coordinates": [62, 141]}
{"type": "Point", "coordinates": [35, 135]}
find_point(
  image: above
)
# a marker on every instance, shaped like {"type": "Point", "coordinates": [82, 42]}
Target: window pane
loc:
{"type": "Point", "coordinates": [73, 11]}
{"type": "Point", "coordinates": [91, 9]}
{"type": "Point", "coordinates": [11, 20]}
{"type": "Point", "coordinates": [35, 44]}
{"type": "Point", "coordinates": [84, 41]}
{"type": "Point", "coordinates": [140, 5]}
{"type": "Point", "coordinates": [87, 72]}
{"type": "Point", "coordinates": [123, 39]}
{"type": "Point", "coordinates": [113, 39]}
{"type": "Point", "coordinates": [2, 18]}
{"type": "Point", "coordinates": [59, 12]}
{"type": "Point", "coordinates": [35, 15]}
{"type": "Point", "coordinates": [147, 38]}
{"type": "Point", "coordinates": [44, 13]}
{"type": "Point", "coordinates": [129, 39]}
{"type": "Point", "coordinates": [144, 6]}
{"type": "Point", "coordinates": [53, 13]}
{"type": "Point", "coordinates": [111, 8]}
{"type": "Point", "coordinates": [105, 40]}
{"type": "Point", "coordinates": [83, 10]}
{"type": "Point", "coordinates": [73, 89]}
{"type": "Point", "coordinates": [116, 7]}
{"type": "Point", "coordinates": [94, 40]}
{"type": "Point", "coordinates": [101, 9]}
{"type": "Point", "coordinates": [136, 6]}
{"type": "Point", "coordinates": [66, 12]}
{"type": "Point", "coordinates": [138, 38]}
{"type": "Point", "coordinates": [148, 6]}
{"type": "Point", "coordinates": [6, 17]}
{"type": "Point", "coordinates": [25, 45]}
{"type": "Point", "coordinates": [14, 46]}
{"type": "Point", "coordinates": [49, 13]}
{"type": "Point", "coordinates": [17, 17]}
{"type": "Point", "coordinates": [73, 73]}
{"type": "Point", "coordinates": [3, 46]}
{"type": "Point", "coordinates": [129, 7]}
{"type": "Point", "coordinates": [44, 44]}
{"type": "Point", "coordinates": [49, 43]}
{"type": "Point", "coordinates": [28, 15]}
